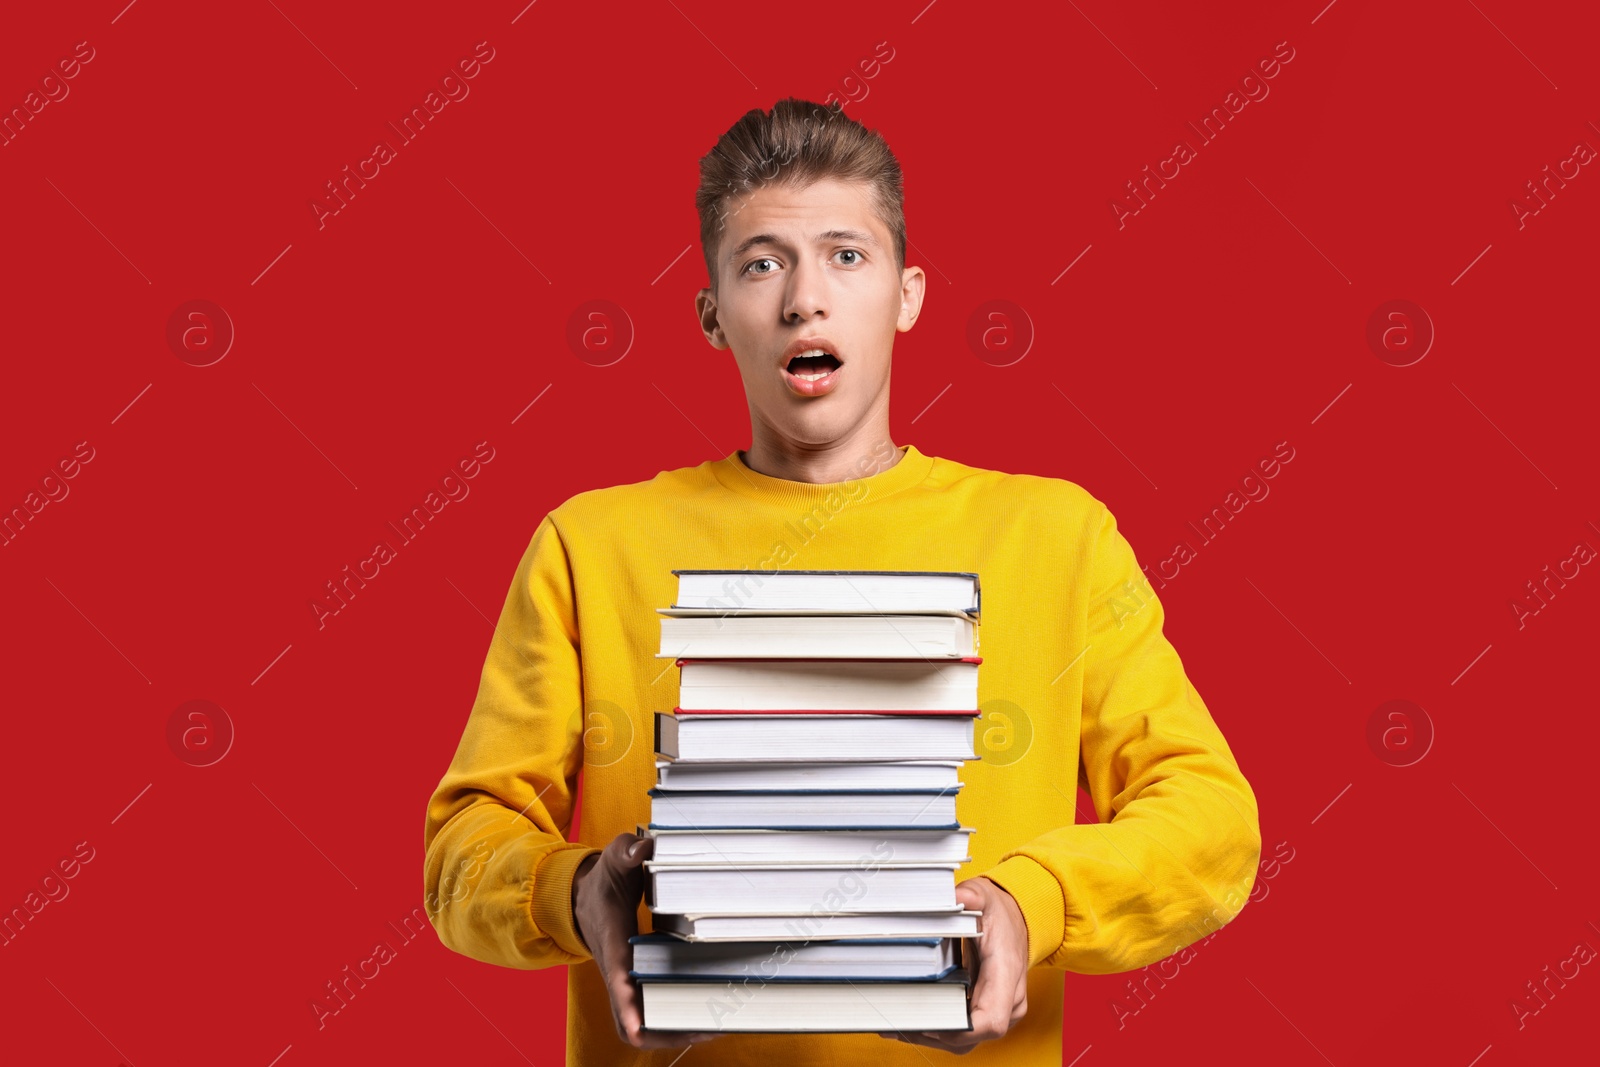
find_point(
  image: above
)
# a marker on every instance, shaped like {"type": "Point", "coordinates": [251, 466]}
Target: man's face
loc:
{"type": "Point", "coordinates": [806, 269]}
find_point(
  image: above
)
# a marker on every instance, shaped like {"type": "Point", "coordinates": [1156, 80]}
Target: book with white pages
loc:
{"type": "Point", "coordinates": [676, 612]}
{"type": "Point", "coordinates": [819, 636]}
{"type": "Point", "coordinates": [882, 591]}
{"type": "Point", "coordinates": [786, 888]}
{"type": "Point", "coordinates": [808, 1005]}
{"type": "Point", "coordinates": [822, 926]}
{"type": "Point", "coordinates": [660, 955]}
{"type": "Point", "coordinates": [832, 736]}
{"type": "Point", "coordinates": [888, 685]}
{"type": "Point", "coordinates": [877, 774]}
{"type": "Point", "coordinates": [906, 844]}
{"type": "Point", "coordinates": [809, 809]}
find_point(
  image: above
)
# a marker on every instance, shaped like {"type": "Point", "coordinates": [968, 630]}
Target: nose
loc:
{"type": "Point", "coordinates": [806, 297]}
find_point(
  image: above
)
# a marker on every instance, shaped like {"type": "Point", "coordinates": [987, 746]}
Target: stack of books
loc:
{"type": "Point", "coordinates": [804, 811]}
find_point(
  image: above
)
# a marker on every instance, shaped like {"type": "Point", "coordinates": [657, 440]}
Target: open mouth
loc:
{"type": "Point", "coordinates": [814, 366]}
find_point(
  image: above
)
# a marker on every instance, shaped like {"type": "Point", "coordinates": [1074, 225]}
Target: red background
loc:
{"type": "Point", "coordinates": [374, 352]}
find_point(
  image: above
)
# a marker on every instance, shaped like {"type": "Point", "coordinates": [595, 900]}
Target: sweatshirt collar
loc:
{"type": "Point", "coordinates": [913, 468]}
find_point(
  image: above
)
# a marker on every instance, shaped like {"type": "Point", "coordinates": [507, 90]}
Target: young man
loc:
{"type": "Point", "coordinates": [804, 239]}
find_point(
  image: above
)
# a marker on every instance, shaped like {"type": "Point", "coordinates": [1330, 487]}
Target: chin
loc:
{"type": "Point", "coordinates": [817, 431]}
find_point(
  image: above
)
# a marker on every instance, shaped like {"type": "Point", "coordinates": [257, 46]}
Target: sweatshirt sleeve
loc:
{"type": "Point", "coordinates": [497, 869]}
{"type": "Point", "coordinates": [1174, 855]}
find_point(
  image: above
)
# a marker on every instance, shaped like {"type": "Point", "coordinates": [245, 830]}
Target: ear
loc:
{"type": "Point", "coordinates": [913, 284]}
{"type": "Point", "coordinates": [705, 309]}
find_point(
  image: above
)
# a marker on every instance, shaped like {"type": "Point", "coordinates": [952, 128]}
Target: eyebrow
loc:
{"type": "Point", "coordinates": [828, 235]}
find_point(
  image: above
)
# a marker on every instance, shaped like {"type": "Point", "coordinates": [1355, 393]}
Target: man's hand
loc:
{"type": "Point", "coordinates": [606, 890]}
{"type": "Point", "coordinates": [999, 969]}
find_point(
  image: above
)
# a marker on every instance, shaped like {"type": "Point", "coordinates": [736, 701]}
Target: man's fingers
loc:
{"type": "Point", "coordinates": [612, 906]}
{"type": "Point", "coordinates": [633, 850]}
{"type": "Point", "coordinates": [614, 973]}
{"type": "Point", "coordinates": [929, 1038]}
{"type": "Point", "coordinates": [990, 1020]}
{"type": "Point", "coordinates": [993, 1008]}
{"type": "Point", "coordinates": [986, 992]}
{"type": "Point", "coordinates": [998, 1003]}
{"type": "Point", "coordinates": [995, 998]}
{"type": "Point", "coordinates": [628, 1012]}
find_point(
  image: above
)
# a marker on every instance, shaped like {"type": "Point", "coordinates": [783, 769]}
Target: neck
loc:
{"type": "Point", "coordinates": [865, 451]}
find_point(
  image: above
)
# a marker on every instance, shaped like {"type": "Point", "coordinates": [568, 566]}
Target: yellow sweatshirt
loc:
{"type": "Point", "coordinates": [1078, 686]}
